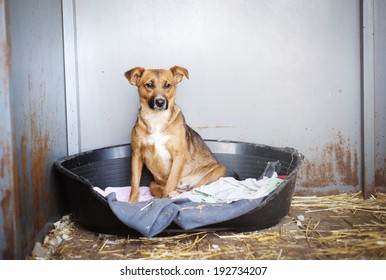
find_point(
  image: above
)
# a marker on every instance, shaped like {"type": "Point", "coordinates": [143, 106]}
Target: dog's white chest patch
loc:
{"type": "Point", "coordinates": [159, 140]}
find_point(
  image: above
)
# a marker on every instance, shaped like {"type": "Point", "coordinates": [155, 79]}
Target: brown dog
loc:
{"type": "Point", "coordinates": [174, 153]}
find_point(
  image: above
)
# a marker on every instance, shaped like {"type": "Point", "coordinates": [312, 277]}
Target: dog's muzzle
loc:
{"type": "Point", "coordinates": [158, 103]}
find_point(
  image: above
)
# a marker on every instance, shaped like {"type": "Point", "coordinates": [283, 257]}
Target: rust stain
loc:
{"type": "Point", "coordinates": [22, 179]}
{"type": "Point", "coordinates": [336, 165]}
{"type": "Point", "coordinates": [23, 175]}
{"type": "Point", "coordinates": [320, 192]}
{"type": "Point", "coordinates": [7, 202]}
{"type": "Point", "coordinates": [39, 179]}
{"type": "Point", "coordinates": [2, 168]}
{"type": "Point", "coordinates": [16, 198]}
{"type": "Point", "coordinates": [368, 190]}
{"type": "Point", "coordinates": [380, 177]}
{"type": "Point", "coordinates": [7, 206]}
{"type": "Point", "coordinates": [5, 162]}
{"type": "Point", "coordinates": [6, 45]}
{"type": "Point", "coordinates": [33, 168]}
{"type": "Point", "coordinates": [347, 167]}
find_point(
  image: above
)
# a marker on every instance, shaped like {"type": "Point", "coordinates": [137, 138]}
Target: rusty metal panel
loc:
{"type": "Point", "coordinates": [333, 168]}
{"type": "Point", "coordinates": [7, 190]}
{"type": "Point", "coordinates": [38, 112]}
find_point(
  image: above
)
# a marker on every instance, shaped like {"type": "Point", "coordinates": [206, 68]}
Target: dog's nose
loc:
{"type": "Point", "coordinates": [159, 102]}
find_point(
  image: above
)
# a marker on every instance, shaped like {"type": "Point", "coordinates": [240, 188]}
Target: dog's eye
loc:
{"type": "Point", "coordinates": [167, 85]}
{"type": "Point", "coordinates": [149, 85]}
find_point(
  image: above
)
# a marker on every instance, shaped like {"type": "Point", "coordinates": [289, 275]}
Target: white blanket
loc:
{"type": "Point", "coordinates": [228, 189]}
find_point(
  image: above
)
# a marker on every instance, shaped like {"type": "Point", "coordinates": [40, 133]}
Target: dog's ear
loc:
{"type": "Point", "coordinates": [179, 73]}
{"type": "Point", "coordinates": [134, 75]}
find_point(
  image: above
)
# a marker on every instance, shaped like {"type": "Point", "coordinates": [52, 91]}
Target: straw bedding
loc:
{"type": "Point", "coordinates": [340, 226]}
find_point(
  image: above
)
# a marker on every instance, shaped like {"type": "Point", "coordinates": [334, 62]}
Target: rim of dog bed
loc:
{"type": "Point", "coordinates": [222, 149]}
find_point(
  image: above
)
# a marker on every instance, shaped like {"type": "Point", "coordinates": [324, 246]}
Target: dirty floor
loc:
{"type": "Point", "coordinates": [340, 226]}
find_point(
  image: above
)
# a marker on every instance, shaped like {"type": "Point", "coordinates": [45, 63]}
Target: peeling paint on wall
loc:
{"type": "Point", "coordinates": [336, 164]}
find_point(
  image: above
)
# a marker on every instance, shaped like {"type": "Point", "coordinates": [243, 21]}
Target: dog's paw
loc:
{"type": "Point", "coordinates": [156, 190]}
{"type": "Point", "coordinates": [134, 199]}
{"type": "Point", "coordinates": [184, 188]}
{"type": "Point", "coordinates": [173, 194]}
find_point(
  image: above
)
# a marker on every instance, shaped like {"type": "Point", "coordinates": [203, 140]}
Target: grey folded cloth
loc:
{"type": "Point", "coordinates": [152, 217]}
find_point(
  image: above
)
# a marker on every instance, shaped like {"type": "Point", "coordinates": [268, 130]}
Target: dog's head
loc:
{"type": "Point", "coordinates": [156, 87]}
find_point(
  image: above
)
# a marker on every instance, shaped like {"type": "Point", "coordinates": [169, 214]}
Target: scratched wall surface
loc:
{"type": "Point", "coordinates": [38, 113]}
{"type": "Point", "coordinates": [272, 72]}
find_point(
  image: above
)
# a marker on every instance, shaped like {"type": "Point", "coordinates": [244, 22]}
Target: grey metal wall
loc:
{"type": "Point", "coordinates": [282, 73]}
{"type": "Point", "coordinates": [380, 94]}
{"type": "Point", "coordinates": [33, 120]}
{"type": "Point", "coordinates": [7, 191]}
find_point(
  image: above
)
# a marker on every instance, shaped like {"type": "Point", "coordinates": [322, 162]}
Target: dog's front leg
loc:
{"type": "Point", "coordinates": [136, 172]}
{"type": "Point", "coordinates": [175, 174]}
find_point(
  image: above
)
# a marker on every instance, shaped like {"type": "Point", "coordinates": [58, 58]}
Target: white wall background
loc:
{"type": "Point", "coordinates": [282, 73]}
{"type": "Point", "coordinates": [272, 72]}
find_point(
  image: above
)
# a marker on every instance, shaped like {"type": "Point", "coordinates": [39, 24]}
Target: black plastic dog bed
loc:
{"type": "Point", "coordinates": [111, 167]}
